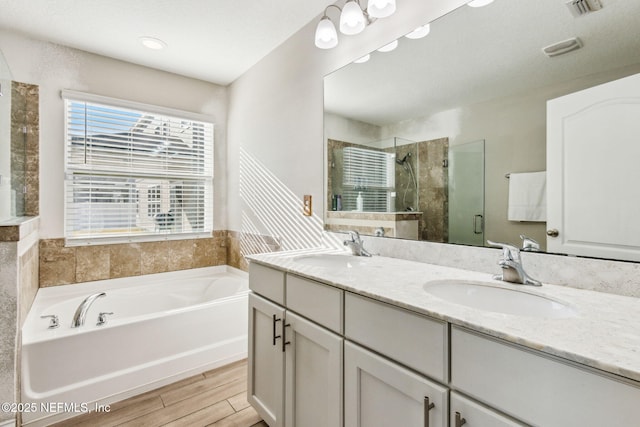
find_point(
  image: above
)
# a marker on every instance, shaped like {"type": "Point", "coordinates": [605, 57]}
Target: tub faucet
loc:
{"type": "Point", "coordinates": [356, 244]}
{"type": "Point", "coordinates": [511, 264]}
{"type": "Point", "coordinates": [81, 311]}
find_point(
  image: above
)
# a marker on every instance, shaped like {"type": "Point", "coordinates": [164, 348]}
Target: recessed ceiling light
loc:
{"type": "Point", "coordinates": [153, 43]}
{"type": "Point", "coordinates": [479, 3]}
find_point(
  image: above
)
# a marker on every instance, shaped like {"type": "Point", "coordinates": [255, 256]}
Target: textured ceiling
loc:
{"type": "Point", "coordinates": [212, 40]}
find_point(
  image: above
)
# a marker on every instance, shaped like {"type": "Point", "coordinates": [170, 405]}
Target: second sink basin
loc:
{"type": "Point", "coordinates": [487, 297]}
{"type": "Point", "coordinates": [332, 260]}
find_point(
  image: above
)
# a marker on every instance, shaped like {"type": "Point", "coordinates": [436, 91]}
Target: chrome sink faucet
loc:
{"type": "Point", "coordinates": [356, 244]}
{"type": "Point", "coordinates": [511, 264]}
{"type": "Point", "coordinates": [81, 311]}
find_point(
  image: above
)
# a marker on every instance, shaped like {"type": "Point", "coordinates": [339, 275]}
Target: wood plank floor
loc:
{"type": "Point", "coordinates": [215, 398]}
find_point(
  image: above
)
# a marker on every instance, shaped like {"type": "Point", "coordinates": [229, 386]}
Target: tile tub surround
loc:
{"type": "Point", "coordinates": [60, 265]}
{"type": "Point", "coordinates": [605, 335]}
{"type": "Point", "coordinates": [18, 287]}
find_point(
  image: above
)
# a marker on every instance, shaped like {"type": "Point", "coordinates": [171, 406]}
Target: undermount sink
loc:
{"type": "Point", "coordinates": [332, 260]}
{"type": "Point", "coordinates": [488, 297]}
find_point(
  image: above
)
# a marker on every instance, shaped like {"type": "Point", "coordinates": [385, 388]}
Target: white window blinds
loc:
{"type": "Point", "coordinates": [135, 172]}
{"type": "Point", "coordinates": [370, 173]}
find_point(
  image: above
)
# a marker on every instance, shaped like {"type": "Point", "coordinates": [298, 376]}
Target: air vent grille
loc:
{"type": "Point", "coordinates": [583, 7]}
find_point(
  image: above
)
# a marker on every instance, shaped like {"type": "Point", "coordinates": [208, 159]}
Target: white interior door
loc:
{"type": "Point", "coordinates": [593, 166]}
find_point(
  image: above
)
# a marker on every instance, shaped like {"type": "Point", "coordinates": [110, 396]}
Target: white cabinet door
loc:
{"type": "Point", "coordinates": [313, 388]}
{"type": "Point", "coordinates": [266, 360]}
{"type": "Point", "coordinates": [470, 414]}
{"type": "Point", "coordinates": [593, 196]}
{"type": "Point", "coordinates": [380, 393]}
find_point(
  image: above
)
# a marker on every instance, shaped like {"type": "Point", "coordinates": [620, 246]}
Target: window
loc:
{"type": "Point", "coordinates": [135, 172]}
{"type": "Point", "coordinates": [370, 173]}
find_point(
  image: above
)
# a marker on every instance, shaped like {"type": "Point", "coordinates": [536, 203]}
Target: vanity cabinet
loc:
{"type": "Point", "coordinates": [322, 356]}
{"type": "Point", "coordinates": [381, 393]}
{"type": "Point", "coordinates": [537, 388]}
{"type": "Point", "coordinates": [295, 364]}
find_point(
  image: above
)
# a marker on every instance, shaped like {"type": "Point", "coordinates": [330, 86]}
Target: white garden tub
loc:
{"type": "Point", "coordinates": [164, 327]}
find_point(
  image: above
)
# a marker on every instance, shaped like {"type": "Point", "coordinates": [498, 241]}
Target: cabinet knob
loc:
{"type": "Point", "coordinates": [459, 420]}
{"type": "Point", "coordinates": [553, 233]}
{"type": "Point", "coordinates": [427, 407]}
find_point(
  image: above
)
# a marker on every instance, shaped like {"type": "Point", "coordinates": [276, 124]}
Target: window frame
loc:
{"type": "Point", "coordinates": [70, 172]}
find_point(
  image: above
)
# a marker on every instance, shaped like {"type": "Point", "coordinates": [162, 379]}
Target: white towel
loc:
{"type": "Point", "coordinates": [528, 196]}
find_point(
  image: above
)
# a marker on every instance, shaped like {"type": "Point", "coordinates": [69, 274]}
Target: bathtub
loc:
{"type": "Point", "coordinates": [164, 327]}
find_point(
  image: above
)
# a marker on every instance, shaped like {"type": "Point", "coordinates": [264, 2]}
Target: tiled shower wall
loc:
{"type": "Point", "coordinates": [60, 265]}
{"type": "Point", "coordinates": [25, 157]}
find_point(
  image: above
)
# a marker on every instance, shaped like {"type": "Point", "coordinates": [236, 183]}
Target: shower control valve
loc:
{"type": "Point", "coordinates": [102, 317]}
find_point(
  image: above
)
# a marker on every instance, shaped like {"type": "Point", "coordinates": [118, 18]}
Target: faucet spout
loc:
{"type": "Point", "coordinates": [356, 244]}
{"type": "Point", "coordinates": [81, 311]}
{"type": "Point", "coordinates": [511, 264]}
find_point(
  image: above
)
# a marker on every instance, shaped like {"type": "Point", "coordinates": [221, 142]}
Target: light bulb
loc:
{"type": "Point", "coordinates": [363, 59]}
{"type": "Point", "coordinates": [326, 35]}
{"type": "Point", "coordinates": [389, 47]}
{"type": "Point", "coordinates": [479, 3]}
{"type": "Point", "coordinates": [419, 32]}
{"type": "Point", "coordinates": [351, 19]}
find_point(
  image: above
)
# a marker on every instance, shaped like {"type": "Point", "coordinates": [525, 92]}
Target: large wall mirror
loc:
{"type": "Point", "coordinates": [427, 141]}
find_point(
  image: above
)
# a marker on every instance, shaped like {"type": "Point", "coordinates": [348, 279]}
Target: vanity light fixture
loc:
{"type": "Point", "coordinates": [353, 20]}
{"type": "Point", "coordinates": [419, 32]}
{"type": "Point", "coordinates": [152, 43]}
{"type": "Point", "coordinates": [389, 47]}
{"type": "Point", "coordinates": [479, 3]}
{"type": "Point", "coordinates": [363, 59]}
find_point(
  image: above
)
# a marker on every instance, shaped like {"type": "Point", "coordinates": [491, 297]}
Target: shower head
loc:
{"type": "Point", "coordinates": [403, 160]}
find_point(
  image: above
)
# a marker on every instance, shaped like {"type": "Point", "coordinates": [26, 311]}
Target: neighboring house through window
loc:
{"type": "Point", "coordinates": [135, 172]}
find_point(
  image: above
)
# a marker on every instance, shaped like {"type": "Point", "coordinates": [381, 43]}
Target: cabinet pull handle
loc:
{"type": "Point", "coordinates": [427, 407]}
{"type": "Point", "coordinates": [275, 337]}
{"type": "Point", "coordinates": [284, 335]}
{"type": "Point", "coordinates": [459, 420]}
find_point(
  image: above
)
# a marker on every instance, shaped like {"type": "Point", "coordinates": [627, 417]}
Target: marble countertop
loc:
{"type": "Point", "coordinates": [604, 335]}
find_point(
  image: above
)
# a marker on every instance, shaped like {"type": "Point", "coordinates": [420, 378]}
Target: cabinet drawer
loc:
{"type": "Point", "coordinates": [267, 282]}
{"type": "Point", "coordinates": [416, 341]}
{"type": "Point", "coordinates": [471, 414]}
{"type": "Point", "coordinates": [315, 301]}
{"type": "Point", "coordinates": [537, 388]}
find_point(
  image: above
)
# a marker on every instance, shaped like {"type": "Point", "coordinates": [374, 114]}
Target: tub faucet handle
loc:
{"type": "Point", "coordinates": [54, 322]}
{"type": "Point", "coordinates": [102, 317]}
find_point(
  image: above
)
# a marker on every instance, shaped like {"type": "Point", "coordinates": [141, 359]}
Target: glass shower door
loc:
{"type": "Point", "coordinates": [466, 193]}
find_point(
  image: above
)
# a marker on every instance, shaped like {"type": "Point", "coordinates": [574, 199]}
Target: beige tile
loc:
{"type": "Point", "coordinates": [124, 260]}
{"type": "Point", "coordinates": [181, 254]}
{"type": "Point", "coordinates": [57, 263]}
{"type": "Point", "coordinates": [154, 257]}
{"type": "Point", "coordinates": [92, 263]}
{"type": "Point", "coordinates": [204, 252]}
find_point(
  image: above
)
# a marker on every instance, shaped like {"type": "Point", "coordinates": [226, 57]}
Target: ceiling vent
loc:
{"type": "Point", "coordinates": [562, 47]}
{"type": "Point", "coordinates": [583, 7]}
